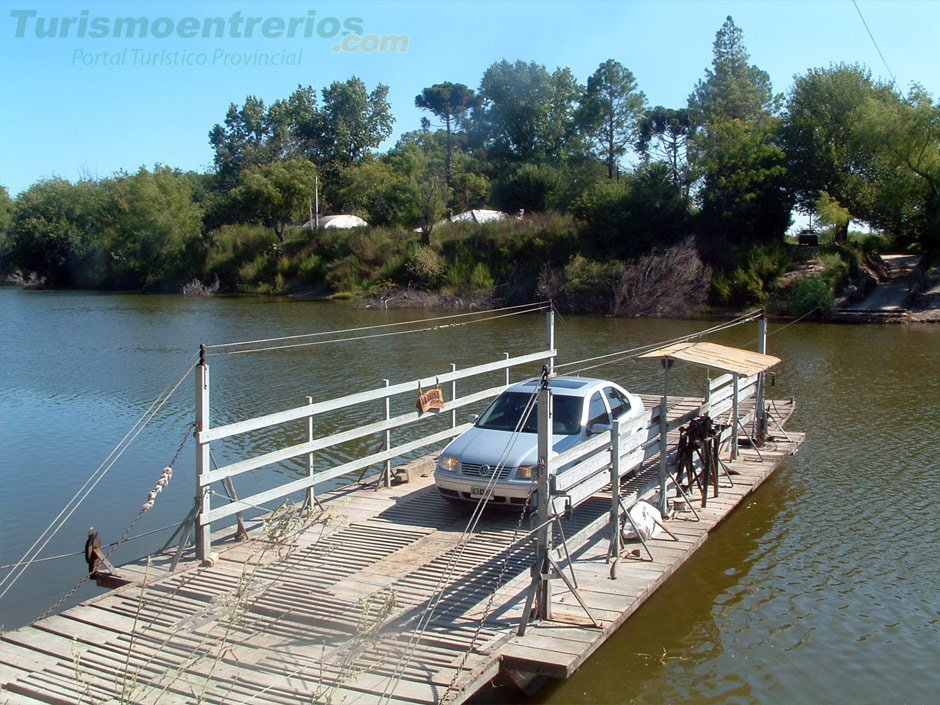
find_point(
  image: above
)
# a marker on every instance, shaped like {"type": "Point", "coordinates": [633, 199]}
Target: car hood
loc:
{"type": "Point", "coordinates": [488, 447]}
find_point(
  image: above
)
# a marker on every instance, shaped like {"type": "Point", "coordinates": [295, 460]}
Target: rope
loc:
{"type": "Point", "coordinates": [458, 551]}
{"type": "Point", "coordinates": [375, 335]}
{"type": "Point", "coordinates": [521, 308]}
{"type": "Point", "coordinates": [75, 554]}
{"type": "Point", "coordinates": [489, 602]}
{"type": "Point", "coordinates": [632, 353]}
{"type": "Point", "coordinates": [75, 502]}
{"type": "Point", "coordinates": [164, 479]}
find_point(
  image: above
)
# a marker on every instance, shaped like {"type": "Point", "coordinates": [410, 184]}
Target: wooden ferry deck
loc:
{"type": "Point", "coordinates": [338, 612]}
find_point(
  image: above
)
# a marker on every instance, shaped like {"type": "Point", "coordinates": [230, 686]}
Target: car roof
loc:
{"type": "Point", "coordinates": [573, 386]}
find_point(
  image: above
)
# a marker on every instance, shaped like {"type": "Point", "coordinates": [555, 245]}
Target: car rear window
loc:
{"type": "Point", "coordinates": [507, 410]}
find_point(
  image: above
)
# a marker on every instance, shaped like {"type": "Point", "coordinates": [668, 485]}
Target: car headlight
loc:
{"type": "Point", "coordinates": [525, 472]}
{"type": "Point", "coordinates": [448, 464]}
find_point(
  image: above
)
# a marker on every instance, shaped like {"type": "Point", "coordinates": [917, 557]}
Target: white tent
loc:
{"type": "Point", "coordinates": [478, 215]}
{"type": "Point", "coordinates": [338, 221]}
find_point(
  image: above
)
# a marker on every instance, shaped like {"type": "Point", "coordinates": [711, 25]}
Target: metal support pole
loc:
{"type": "Point", "coordinates": [506, 357]}
{"type": "Point", "coordinates": [734, 416]}
{"type": "Point", "coordinates": [663, 433]}
{"type": "Point", "coordinates": [759, 399]}
{"type": "Point", "coordinates": [387, 471]}
{"type": "Point", "coordinates": [614, 551]}
{"type": "Point", "coordinates": [543, 598]}
{"type": "Point", "coordinates": [203, 457]}
{"type": "Point", "coordinates": [453, 398]}
{"type": "Point", "coordinates": [311, 491]}
{"type": "Point", "coordinates": [550, 323]}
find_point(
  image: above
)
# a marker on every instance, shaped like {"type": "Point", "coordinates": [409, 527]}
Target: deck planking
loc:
{"type": "Point", "coordinates": [337, 613]}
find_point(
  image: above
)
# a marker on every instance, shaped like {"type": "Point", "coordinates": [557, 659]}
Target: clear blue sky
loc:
{"type": "Point", "coordinates": [67, 112]}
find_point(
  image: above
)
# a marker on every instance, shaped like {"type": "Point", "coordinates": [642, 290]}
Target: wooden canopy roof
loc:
{"type": "Point", "coordinates": [716, 357]}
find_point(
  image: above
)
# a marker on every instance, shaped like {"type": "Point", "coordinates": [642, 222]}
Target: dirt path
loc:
{"type": "Point", "coordinates": [891, 295]}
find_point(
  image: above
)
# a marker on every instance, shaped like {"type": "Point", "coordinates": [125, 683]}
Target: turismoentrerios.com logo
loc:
{"type": "Point", "coordinates": [348, 32]}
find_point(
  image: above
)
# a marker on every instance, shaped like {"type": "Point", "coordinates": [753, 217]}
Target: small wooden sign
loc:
{"type": "Point", "coordinates": [431, 399]}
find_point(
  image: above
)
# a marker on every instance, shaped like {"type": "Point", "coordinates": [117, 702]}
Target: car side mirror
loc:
{"type": "Point", "coordinates": [597, 428]}
{"type": "Point", "coordinates": [474, 418]}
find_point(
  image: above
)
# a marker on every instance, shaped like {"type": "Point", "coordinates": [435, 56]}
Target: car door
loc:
{"type": "Point", "coordinates": [598, 412]}
{"type": "Point", "coordinates": [618, 402]}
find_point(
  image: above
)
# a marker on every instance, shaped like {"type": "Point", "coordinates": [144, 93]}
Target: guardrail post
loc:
{"type": "Point", "coordinates": [311, 491]}
{"type": "Point", "coordinates": [615, 472]}
{"type": "Point", "coordinates": [506, 357]}
{"type": "Point", "coordinates": [543, 599]}
{"type": "Point", "coordinates": [203, 458]}
{"type": "Point", "coordinates": [734, 417]}
{"type": "Point", "coordinates": [387, 470]}
{"type": "Point", "coordinates": [550, 324]}
{"type": "Point", "coordinates": [759, 397]}
{"type": "Point", "coordinates": [453, 396]}
{"type": "Point", "coordinates": [663, 433]}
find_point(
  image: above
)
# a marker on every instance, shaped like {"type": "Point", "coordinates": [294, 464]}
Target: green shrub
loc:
{"type": "Point", "coordinates": [347, 275]}
{"type": "Point", "coordinates": [531, 188]}
{"type": "Point", "coordinates": [310, 269]}
{"type": "Point", "coordinates": [812, 294]}
{"type": "Point", "coordinates": [425, 267]}
{"type": "Point", "coordinates": [741, 287]}
{"type": "Point", "coordinates": [480, 278]}
{"type": "Point", "coordinates": [872, 244]}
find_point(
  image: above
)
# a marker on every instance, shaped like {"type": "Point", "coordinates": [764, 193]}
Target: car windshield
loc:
{"type": "Point", "coordinates": [506, 411]}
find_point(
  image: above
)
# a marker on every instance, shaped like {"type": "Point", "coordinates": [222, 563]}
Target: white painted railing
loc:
{"type": "Point", "coordinates": [206, 476]}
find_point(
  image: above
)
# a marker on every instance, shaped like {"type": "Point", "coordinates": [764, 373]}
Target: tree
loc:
{"type": "Point", "coordinates": [253, 134]}
{"type": "Point", "coordinates": [663, 135]}
{"type": "Point", "coordinates": [278, 193]}
{"type": "Point", "coordinates": [904, 136]}
{"type": "Point", "coordinates": [151, 229]}
{"type": "Point", "coordinates": [374, 190]}
{"type": "Point", "coordinates": [743, 196]}
{"type": "Point", "coordinates": [527, 114]}
{"type": "Point", "coordinates": [351, 122]}
{"type": "Point", "coordinates": [450, 102]}
{"type": "Point", "coordinates": [528, 188]}
{"type": "Point", "coordinates": [732, 89]}
{"type": "Point", "coordinates": [819, 136]}
{"type": "Point", "coordinates": [56, 232]}
{"type": "Point", "coordinates": [425, 195]}
{"type": "Point", "coordinates": [609, 111]}
{"type": "Point", "coordinates": [6, 218]}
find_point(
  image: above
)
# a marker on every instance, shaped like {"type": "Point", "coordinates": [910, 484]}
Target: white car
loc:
{"type": "Point", "coordinates": [497, 445]}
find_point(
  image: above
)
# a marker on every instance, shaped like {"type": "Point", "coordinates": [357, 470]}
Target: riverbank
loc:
{"type": "Point", "coordinates": [789, 281]}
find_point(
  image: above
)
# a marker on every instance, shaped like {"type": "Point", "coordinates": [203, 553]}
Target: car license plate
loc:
{"type": "Point", "coordinates": [481, 492]}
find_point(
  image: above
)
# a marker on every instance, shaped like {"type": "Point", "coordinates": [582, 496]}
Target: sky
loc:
{"type": "Point", "coordinates": [76, 105]}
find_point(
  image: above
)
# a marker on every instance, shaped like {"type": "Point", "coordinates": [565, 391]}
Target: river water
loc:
{"type": "Point", "coordinates": [822, 588]}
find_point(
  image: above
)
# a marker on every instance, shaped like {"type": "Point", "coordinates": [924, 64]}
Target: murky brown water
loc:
{"type": "Point", "coordinates": [821, 589]}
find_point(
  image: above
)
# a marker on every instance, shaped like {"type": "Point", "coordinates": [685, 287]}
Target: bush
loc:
{"type": "Point", "coordinates": [741, 287]}
{"type": "Point", "coordinates": [425, 267]}
{"type": "Point", "coordinates": [812, 294]}
{"type": "Point", "coordinates": [531, 188]}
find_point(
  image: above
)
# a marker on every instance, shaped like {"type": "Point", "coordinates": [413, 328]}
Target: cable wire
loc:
{"type": "Point", "coordinates": [527, 308]}
{"type": "Point", "coordinates": [872, 37]}
{"type": "Point", "coordinates": [75, 502]}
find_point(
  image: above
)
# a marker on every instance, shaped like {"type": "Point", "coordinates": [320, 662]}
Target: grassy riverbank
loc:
{"type": "Point", "coordinates": [548, 256]}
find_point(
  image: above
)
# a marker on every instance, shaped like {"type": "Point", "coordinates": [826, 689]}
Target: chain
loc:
{"type": "Point", "coordinates": [123, 536]}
